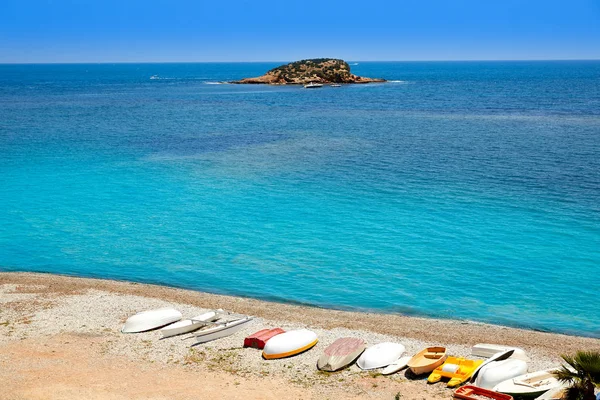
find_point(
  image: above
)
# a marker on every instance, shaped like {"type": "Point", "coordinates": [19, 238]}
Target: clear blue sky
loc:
{"type": "Point", "coordinates": [276, 30]}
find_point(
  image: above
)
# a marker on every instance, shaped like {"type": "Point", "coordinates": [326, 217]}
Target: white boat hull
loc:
{"type": "Point", "coordinates": [340, 354]}
{"type": "Point", "coordinates": [557, 393]}
{"type": "Point", "coordinates": [487, 350]}
{"type": "Point", "coordinates": [222, 330]}
{"type": "Point", "coordinates": [289, 344]}
{"type": "Point", "coordinates": [380, 355]}
{"type": "Point", "coordinates": [496, 372]}
{"type": "Point", "coordinates": [151, 319]}
{"type": "Point", "coordinates": [529, 385]}
{"type": "Point", "coordinates": [189, 325]}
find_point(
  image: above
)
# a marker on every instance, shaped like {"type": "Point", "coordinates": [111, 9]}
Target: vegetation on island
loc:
{"type": "Point", "coordinates": [319, 70]}
{"type": "Point", "coordinates": [327, 69]}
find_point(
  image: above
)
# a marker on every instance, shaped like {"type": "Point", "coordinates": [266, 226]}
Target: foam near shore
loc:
{"type": "Point", "coordinates": [60, 338]}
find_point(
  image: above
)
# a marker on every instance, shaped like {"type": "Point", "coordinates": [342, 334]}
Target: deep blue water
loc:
{"type": "Point", "coordinates": [463, 190]}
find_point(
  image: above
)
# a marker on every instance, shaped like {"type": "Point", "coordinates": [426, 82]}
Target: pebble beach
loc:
{"type": "Point", "coordinates": [60, 339]}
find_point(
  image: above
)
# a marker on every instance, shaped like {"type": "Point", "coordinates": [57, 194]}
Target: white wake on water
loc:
{"type": "Point", "coordinates": [161, 78]}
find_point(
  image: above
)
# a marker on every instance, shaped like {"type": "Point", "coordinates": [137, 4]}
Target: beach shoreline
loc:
{"type": "Point", "coordinates": [415, 325]}
{"type": "Point", "coordinates": [70, 314]}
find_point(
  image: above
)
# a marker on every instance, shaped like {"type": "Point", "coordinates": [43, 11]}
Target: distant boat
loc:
{"type": "Point", "coordinates": [335, 85]}
{"type": "Point", "coordinates": [313, 85]}
{"type": "Point", "coordinates": [155, 77]}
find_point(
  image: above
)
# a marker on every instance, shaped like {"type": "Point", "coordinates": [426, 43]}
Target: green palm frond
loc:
{"type": "Point", "coordinates": [581, 373]}
{"type": "Point", "coordinates": [589, 361]}
{"type": "Point", "coordinates": [565, 375]}
{"type": "Point", "coordinates": [585, 365]}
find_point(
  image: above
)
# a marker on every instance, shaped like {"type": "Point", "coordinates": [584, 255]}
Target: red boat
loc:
{"type": "Point", "coordinates": [470, 392]}
{"type": "Point", "coordinates": [258, 339]}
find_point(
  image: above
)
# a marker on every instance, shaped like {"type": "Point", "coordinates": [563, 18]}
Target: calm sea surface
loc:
{"type": "Point", "coordinates": [458, 190]}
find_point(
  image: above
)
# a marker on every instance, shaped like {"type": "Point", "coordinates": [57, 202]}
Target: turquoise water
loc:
{"type": "Point", "coordinates": [461, 190]}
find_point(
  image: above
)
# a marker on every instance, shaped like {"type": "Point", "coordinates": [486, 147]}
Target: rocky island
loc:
{"type": "Point", "coordinates": [318, 70]}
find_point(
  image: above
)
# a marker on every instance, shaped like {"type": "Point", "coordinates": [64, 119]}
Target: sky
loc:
{"type": "Point", "coordinates": [40, 31]}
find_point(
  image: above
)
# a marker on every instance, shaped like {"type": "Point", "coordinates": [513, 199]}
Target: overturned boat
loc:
{"type": "Point", "coordinates": [380, 355]}
{"type": "Point", "coordinates": [487, 350]}
{"type": "Point", "coordinates": [151, 319]}
{"type": "Point", "coordinates": [259, 339]}
{"type": "Point", "coordinates": [340, 354]}
{"type": "Point", "coordinates": [289, 344]}
{"type": "Point", "coordinates": [499, 371]}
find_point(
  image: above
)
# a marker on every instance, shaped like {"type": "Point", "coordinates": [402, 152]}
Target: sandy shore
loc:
{"type": "Point", "coordinates": [60, 339]}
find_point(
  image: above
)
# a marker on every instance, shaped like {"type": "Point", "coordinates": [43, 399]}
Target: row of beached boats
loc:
{"type": "Point", "coordinates": [210, 326]}
{"type": "Point", "coordinates": [499, 373]}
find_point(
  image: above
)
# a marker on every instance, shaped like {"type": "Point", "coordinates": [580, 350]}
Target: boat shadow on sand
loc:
{"type": "Point", "coordinates": [411, 376]}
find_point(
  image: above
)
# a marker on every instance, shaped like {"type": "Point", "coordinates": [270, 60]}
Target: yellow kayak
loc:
{"type": "Point", "coordinates": [457, 369]}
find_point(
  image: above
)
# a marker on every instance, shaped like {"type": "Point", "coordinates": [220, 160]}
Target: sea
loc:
{"type": "Point", "coordinates": [460, 190]}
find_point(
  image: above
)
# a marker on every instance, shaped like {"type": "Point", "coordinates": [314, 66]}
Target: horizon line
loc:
{"type": "Point", "coordinates": [286, 61]}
